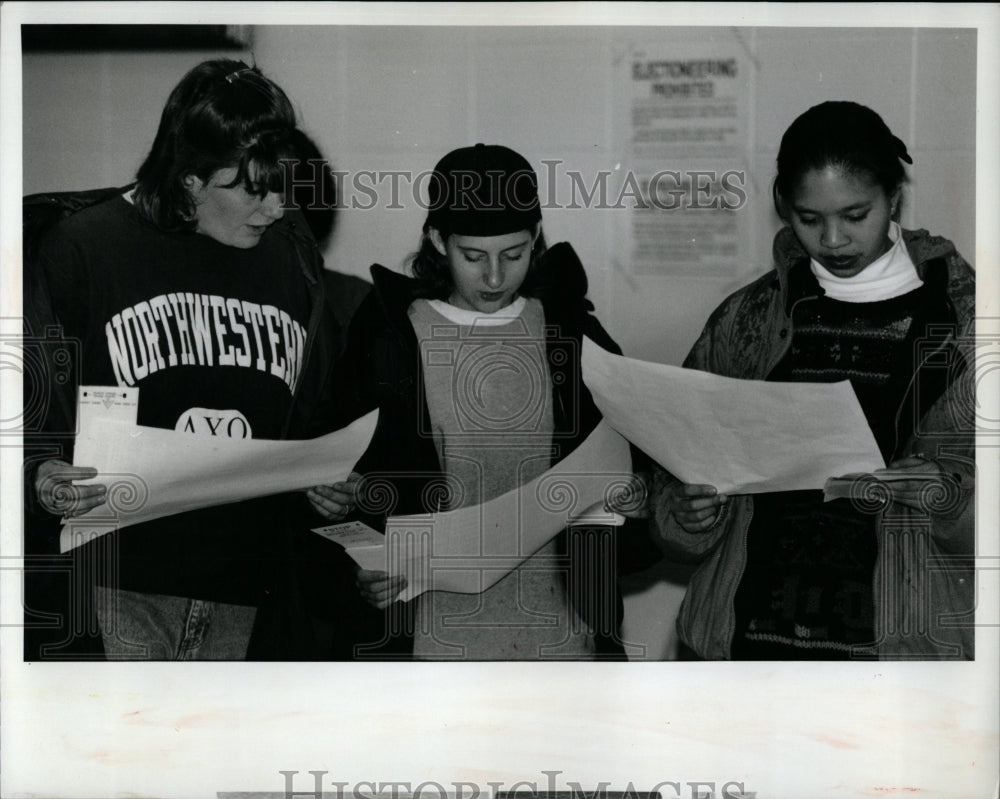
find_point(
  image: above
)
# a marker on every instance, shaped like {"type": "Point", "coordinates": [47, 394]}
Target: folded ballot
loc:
{"type": "Point", "coordinates": [365, 545]}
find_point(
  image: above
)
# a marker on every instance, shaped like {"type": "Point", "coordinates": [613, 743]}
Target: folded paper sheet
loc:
{"type": "Point", "coordinates": [365, 545]}
{"type": "Point", "coordinates": [741, 436]}
{"type": "Point", "coordinates": [152, 472]}
{"type": "Point", "coordinates": [469, 549]}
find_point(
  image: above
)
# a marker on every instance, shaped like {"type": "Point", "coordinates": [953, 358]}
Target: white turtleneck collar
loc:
{"type": "Point", "coordinates": [462, 316]}
{"type": "Point", "coordinates": [890, 275]}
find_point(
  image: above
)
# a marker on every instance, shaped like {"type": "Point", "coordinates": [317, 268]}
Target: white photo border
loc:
{"type": "Point", "coordinates": [781, 729]}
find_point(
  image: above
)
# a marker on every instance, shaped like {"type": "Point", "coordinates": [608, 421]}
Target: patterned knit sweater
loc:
{"type": "Point", "coordinates": [807, 588]}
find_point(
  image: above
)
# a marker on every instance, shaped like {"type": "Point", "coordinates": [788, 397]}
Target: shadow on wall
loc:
{"type": "Point", "coordinates": [314, 192]}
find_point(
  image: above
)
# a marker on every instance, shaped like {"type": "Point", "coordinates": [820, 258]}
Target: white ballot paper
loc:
{"type": "Point", "coordinates": [363, 543]}
{"type": "Point", "coordinates": [741, 436]}
{"type": "Point", "coordinates": [152, 472]}
{"type": "Point", "coordinates": [470, 549]}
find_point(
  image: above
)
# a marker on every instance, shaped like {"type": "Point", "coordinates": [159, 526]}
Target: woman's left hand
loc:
{"type": "Point", "coordinates": [334, 502]}
{"type": "Point", "coordinates": [907, 478]}
{"type": "Point", "coordinates": [378, 588]}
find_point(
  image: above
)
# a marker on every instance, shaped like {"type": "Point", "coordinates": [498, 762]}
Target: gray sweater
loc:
{"type": "Point", "coordinates": [487, 390]}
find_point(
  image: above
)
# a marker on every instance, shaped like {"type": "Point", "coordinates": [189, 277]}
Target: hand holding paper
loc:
{"type": "Point", "coordinates": [66, 490]}
{"type": "Point", "coordinates": [914, 481]}
{"type": "Point", "coordinates": [334, 502]}
{"type": "Point", "coordinates": [740, 436]}
{"type": "Point", "coordinates": [367, 548]}
{"type": "Point", "coordinates": [151, 472]}
{"type": "Point", "coordinates": [470, 549]}
{"type": "Point", "coordinates": [379, 588]}
{"type": "Point", "coordinates": [57, 492]}
{"type": "Point", "coordinates": [695, 507]}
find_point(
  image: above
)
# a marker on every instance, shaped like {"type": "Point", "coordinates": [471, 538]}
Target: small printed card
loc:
{"type": "Point", "coordinates": [115, 403]}
{"type": "Point", "coordinates": [351, 534]}
{"type": "Point", "coordinates": [365, 545]}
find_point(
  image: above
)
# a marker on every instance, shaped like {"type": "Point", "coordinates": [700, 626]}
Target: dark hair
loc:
{"type": "Point", "coordinates": [313, 190]}
{"type": "Point", "coordinates": [840, 134]}
{"type": "Point", "coordinates": [222, 114]}
{"type": "Point", "coordinates": [483, 190]}
{"type": "Point", "coordinates": [433, 275]}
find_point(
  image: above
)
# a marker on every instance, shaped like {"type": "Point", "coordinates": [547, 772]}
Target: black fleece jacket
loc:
{"type": "Point", "coordinates": [381, 369]}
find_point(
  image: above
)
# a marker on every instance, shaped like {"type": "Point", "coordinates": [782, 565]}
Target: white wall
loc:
{"type": "Point", "coordinates": [382, 98]}
{"type": "Point", "coordinates": [394, 98]}
{"type": "Point", "coordinates": [89, 118]}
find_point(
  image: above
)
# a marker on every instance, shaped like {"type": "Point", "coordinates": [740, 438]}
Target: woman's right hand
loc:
{"type": "Point", "coordinates": [335, 502]}
{"type": "Point", "coordinates": [378, 588]}
{"type": "Point", "coordinates": [695, 507]}
{"type": "Point", "coordinates": [58, 495]}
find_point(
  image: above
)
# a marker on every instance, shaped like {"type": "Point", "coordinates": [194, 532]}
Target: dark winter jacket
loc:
{"type": "Point", "coordinates": [381, 369]}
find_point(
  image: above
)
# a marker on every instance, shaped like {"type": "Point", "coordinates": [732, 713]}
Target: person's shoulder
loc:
{"type": "Point", "coordinates": [97, 224]}
{"type": "Point", "coordinates": [345, 292]}
{"type": "Point", "coordinates": [291, 232]}
{"type": "Point", "coordinates": [560, 282]}
{"type": "Point", "coordinates": [748, 305]}
{"type": "Point", "coordinates": [293, 224]}
{"type": "Point", "coordinates": [393, 286]}
{"type": "Point", "coordinates": [561, 270]}
{"type": "Point", "coordinates": [387, 297]}
{"type": "Point", "coordinates": [65, 203]}
{"type": "Point", "coordinates": [766, 286]}
{"type": "Point", "coordinates": [928, 251]}
{"type": "Point", "coordinates": [924, 246]}
{"type": "Point", "coordinates": [61, 223]}
{"type": "Point", "coordinates": [786, 249]}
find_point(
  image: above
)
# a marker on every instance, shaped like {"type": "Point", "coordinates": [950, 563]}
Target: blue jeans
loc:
{"type": "Point", "coordinates": [139, 626]}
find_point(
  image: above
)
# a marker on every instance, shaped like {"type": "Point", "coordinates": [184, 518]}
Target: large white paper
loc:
{"type": "Point", "coordinates": [469, 549]}
{"type": "Point", "coordinates": [741, 436]}
{"type": "Point", "coordinates": [151, 472]}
